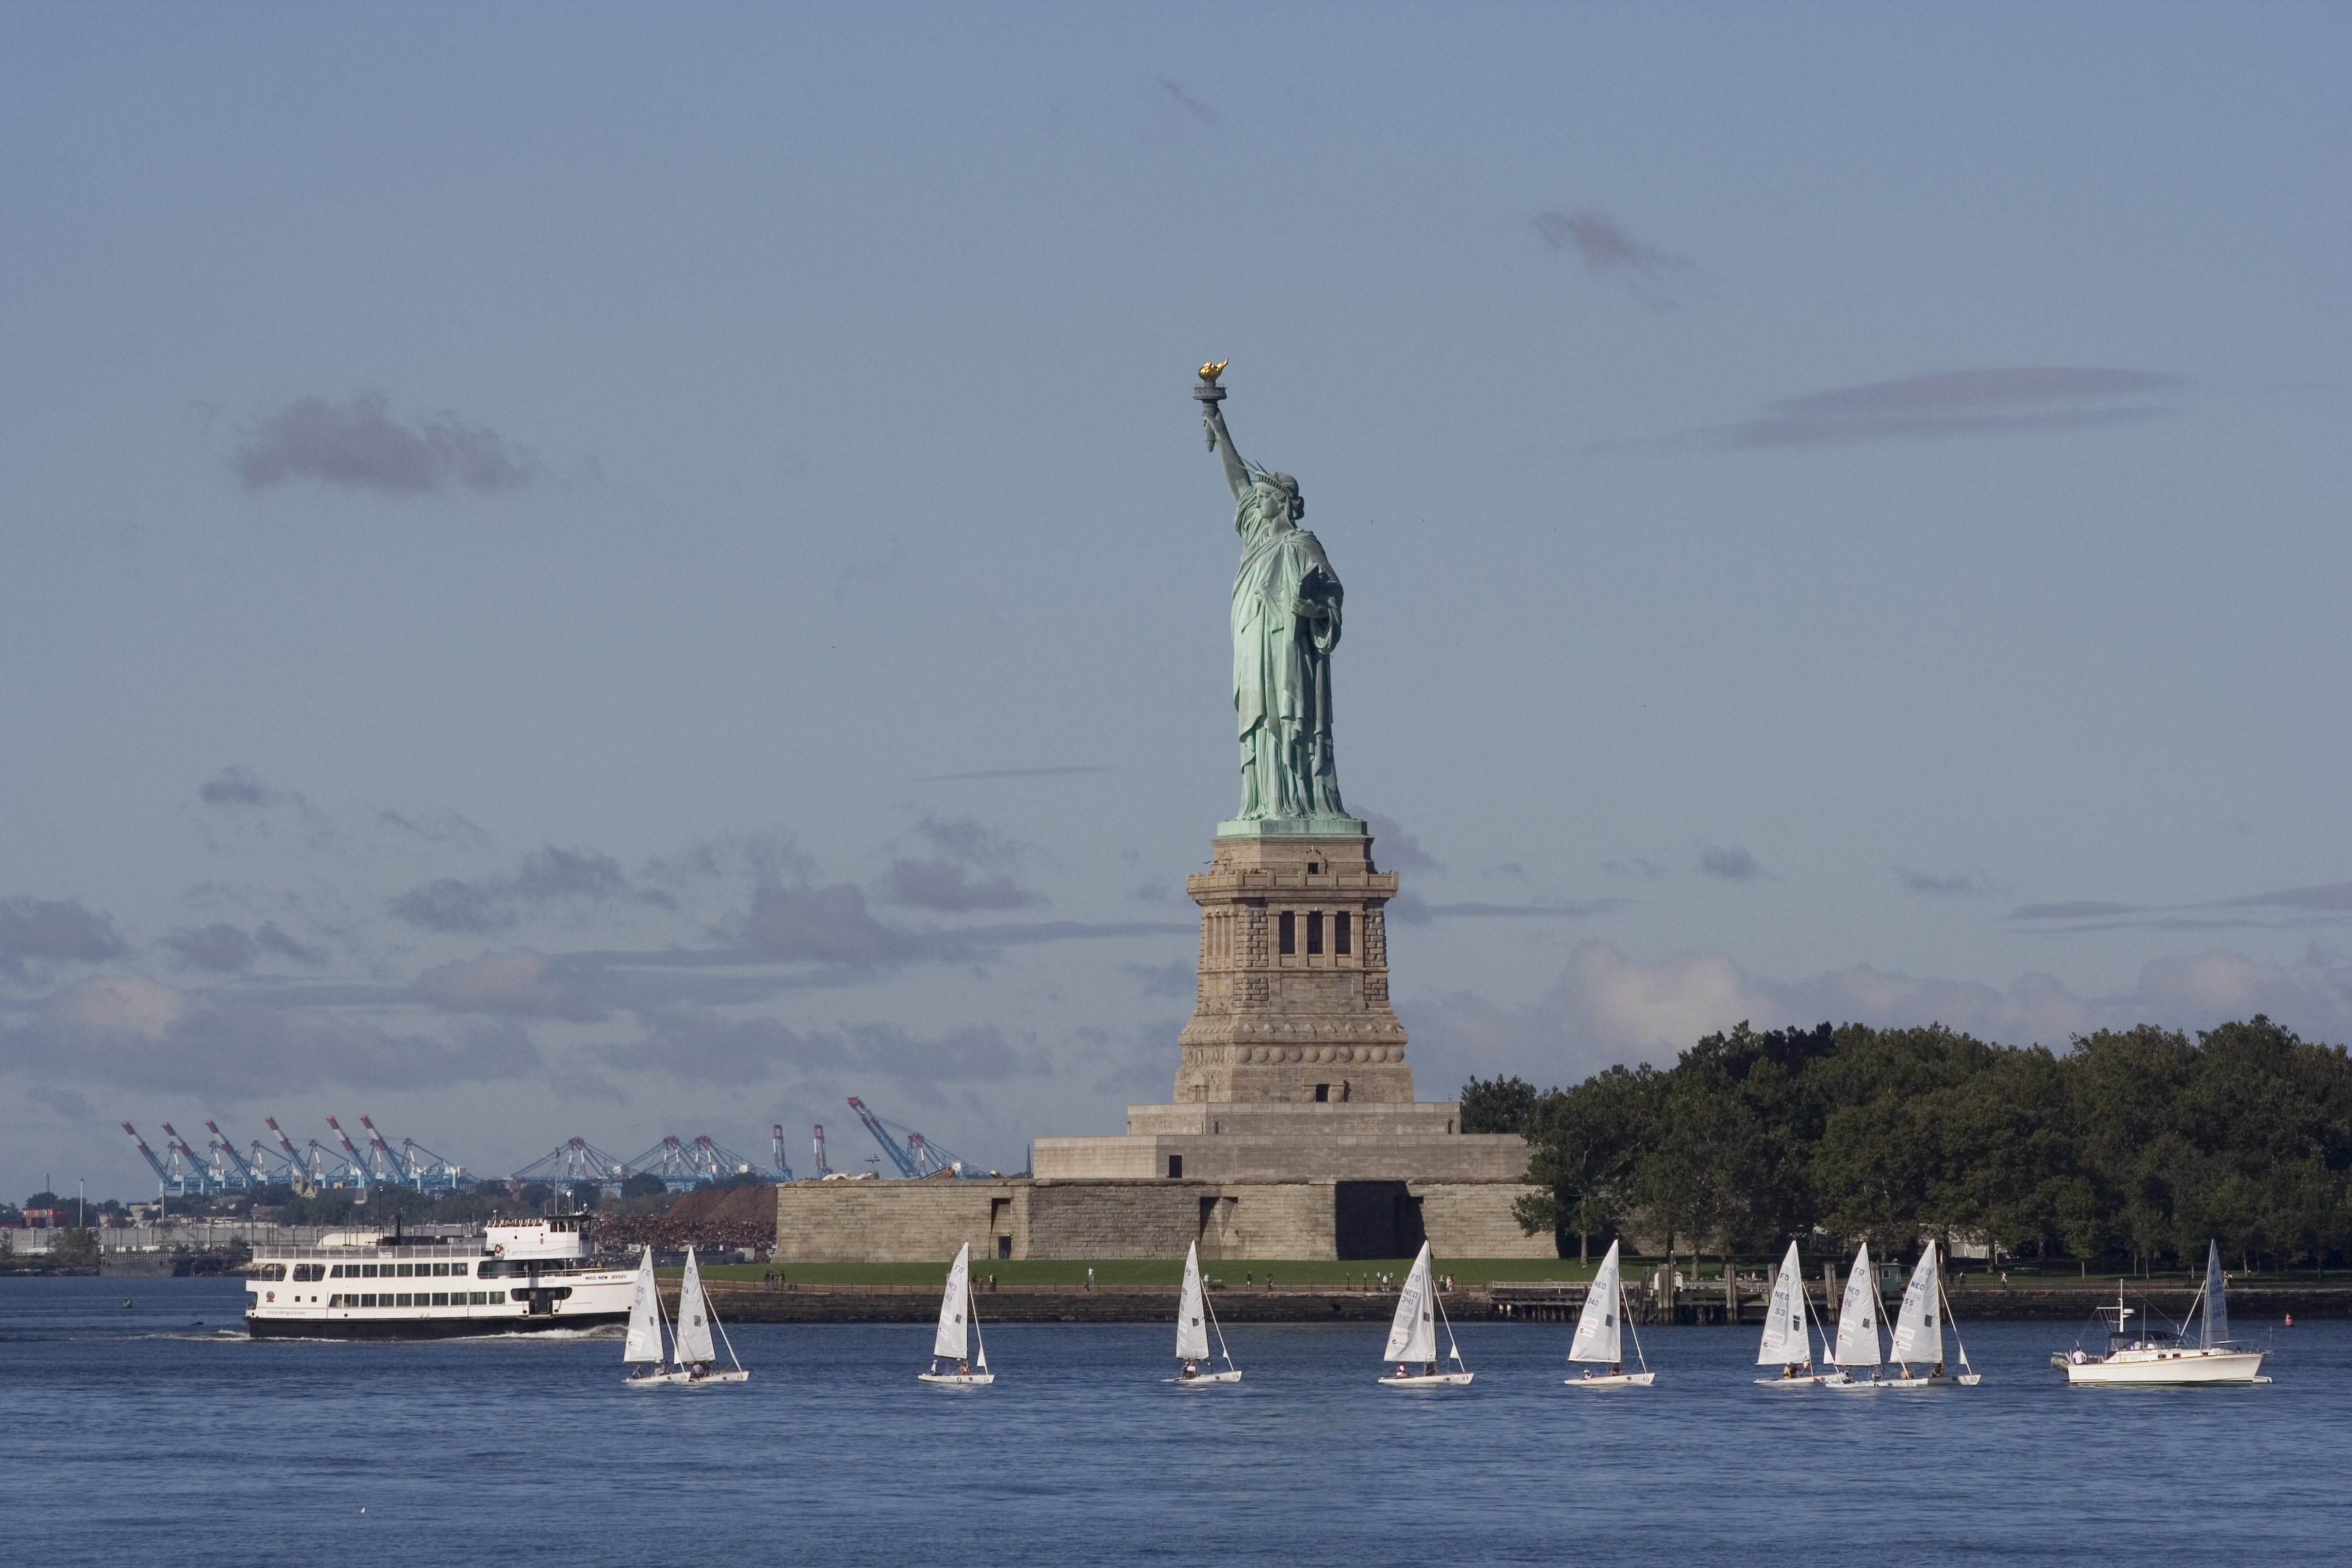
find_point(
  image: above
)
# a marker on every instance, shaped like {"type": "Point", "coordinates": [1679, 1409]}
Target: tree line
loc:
{"type": "Point", "coordinates": [2138, 1144]}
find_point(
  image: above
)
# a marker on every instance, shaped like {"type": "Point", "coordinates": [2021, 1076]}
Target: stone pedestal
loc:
{"type": "Point", "coordinates": [1292, 998]}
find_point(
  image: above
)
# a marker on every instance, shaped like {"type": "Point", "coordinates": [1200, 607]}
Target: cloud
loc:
{"type": "Point", "coordinates": [1399, 850]}
{"type": "Point", "coordinates": [66, 1102]}
{"type": "Point", "coordinates": [875, 572]}
{"type": "Point", "coordinates": [1608, 251]}
{"type": "Point", "coordinates": [1634, 866]}
{"type": "Point", "coordinates": [1607, 1008]}
{"type": "Point", "coordinates": [1412, 909]}
{"type": "Point", "coordinates": [2333, 896]}
{"type": "Point", "coordinates": [827, 925]}
{"type": "Point", "coordinates": [1176, 982]}
{"type": "Point", "coordinates": [219, 946]}
{"type": "Point", "coordinates": [832, 925]}
{"type": "Point", "coordinates": [55, 928]}
{"type": "Point", "coordinates": [2319, 905]}
{"type": "Point", "coordinates": [436, 827]}
{"type": "Point", "coordinates": [1009, 773]}
{"type": "Point", "coordinates": [129, 1030]}
{"type": "Point", "coordinates": [542, 877]}
{"type": "Point", "coordinates": [701, 1046]}
{"type": "Point", "coordinates": [1730, 862]}
{"type": "Point", "coordinates": [1184, 103]}
{"type": "Point", "coordinates": [937, 885]}
{"type": "Point", "coordinates": [358, 444]}
{"type": "Point", "coordinates": [2008, 401]}
{"type": "Point", "coordinates": [1950, 887]}
{"type": "Point", "coordinates": [235, 787]}
{"type": "Point", "coordinates": [521, 982]}
{"type": "Point", "coordinates": [270, 938]}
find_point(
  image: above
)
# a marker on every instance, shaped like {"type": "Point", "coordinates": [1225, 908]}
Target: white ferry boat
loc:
{"type": "Point", "coordinates": [515, 1276]}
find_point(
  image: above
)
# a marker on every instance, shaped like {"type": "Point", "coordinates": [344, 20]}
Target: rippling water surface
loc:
{"type": "Point", "coordinates": [161, 1434]}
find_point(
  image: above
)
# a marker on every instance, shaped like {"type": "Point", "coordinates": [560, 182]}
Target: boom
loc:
{"type": "Point", "coordinates": [898, 1156]}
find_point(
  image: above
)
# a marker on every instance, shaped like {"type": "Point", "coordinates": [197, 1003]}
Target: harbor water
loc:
{"type": "Point", "coordinates": [159, 1434]}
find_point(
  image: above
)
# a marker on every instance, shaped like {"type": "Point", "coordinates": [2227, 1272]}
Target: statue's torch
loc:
{"type": "Point", "coordinates": [1211, 395]}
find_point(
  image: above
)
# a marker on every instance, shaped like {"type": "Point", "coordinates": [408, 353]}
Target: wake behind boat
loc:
{"type": "Point", "coordinates": [1194, 1321]}
{"type": "Point", "coordinates": [1597, 1332]}
{"type": "Point", "coordinates": [1413, 1335]}
{"type": "Point", "coordinates": [951, 1345]}
{"type": "Point", "coordinates": [2146, 1357]}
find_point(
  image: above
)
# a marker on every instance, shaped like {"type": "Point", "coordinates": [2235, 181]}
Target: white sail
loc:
{"type": "Point", "coordinates": [645, 1341]}
{"type": "Point", "coordinates": [954, 1307]}
{"type": "Point", "coordinates": [2215, 1325]}
{"type": "Point", "coordinates": [1412, 1335]}
{"type": "Point", "coordinates": [1857, 1335]}
{"type": "Point", "coordinates": [1598, 1333]}
{"type": "Point", "coordinates": [1192, 1314]}
{"type": "Point", "coordinates": [693, 1318]}
{"type": "Point", "coordinates": [1919, 1332]}
{"type": "Point", "coordinates": [1785, 1336]}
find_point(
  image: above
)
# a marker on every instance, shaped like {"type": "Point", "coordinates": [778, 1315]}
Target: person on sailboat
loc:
{"type": "Point", "coordinates": [1189, 1369]}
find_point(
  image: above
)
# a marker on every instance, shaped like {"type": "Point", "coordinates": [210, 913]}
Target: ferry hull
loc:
{"type": "Point", "coordinates": [357, 1327]}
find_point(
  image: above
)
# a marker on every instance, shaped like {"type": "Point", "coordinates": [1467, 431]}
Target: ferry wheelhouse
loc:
{"type": "Point", "coordinates": [514, 1276]}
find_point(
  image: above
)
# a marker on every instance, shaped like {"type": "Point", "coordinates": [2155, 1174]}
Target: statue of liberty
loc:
{"type": "Point", "coordinates": [1285, 622]}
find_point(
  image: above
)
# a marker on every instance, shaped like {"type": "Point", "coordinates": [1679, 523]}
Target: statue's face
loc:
{"type": "Point", "coordinates": [1278, 505]}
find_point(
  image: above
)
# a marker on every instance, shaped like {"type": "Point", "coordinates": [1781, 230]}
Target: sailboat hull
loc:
{"type": "Point", "coordinates": [1433, 1380]}
{"type": "Point", "coordinates": [1846, 1382]}
{"type": "Point", "coordinates": [956, 1379]}
{"type": "Point", "coordinates": [1615, 1380]}
{"type": "Point", "coordinates": [1808, 1380]}
{"type": "Point", "coordinates": [1198, 1378]}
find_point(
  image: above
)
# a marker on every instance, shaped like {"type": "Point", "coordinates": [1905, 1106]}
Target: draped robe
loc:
{"type": "Point", "coordinates": [1285, 622]}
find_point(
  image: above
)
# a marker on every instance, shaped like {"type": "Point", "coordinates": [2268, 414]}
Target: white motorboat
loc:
{"type": "Point", "coordinates": [958, 1331]}
{"type": "Point", "coordinates": [1599, 1331]}
{"type": "Point", "coordinates": [2147, 1357]}
{"type": "Point", "coordinates": [1413, 1335]}
{"type": "Point", "coordinates": [1788, 1341]}
{"type": "Point", "coordinates": [1195, 1320]}
{"type": "Point", "coordinates": [1857, 1330]}
{"type": "Point", "coordinates": [1919, 1332]}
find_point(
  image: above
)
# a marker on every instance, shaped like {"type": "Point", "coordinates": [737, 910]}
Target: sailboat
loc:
{"type": "Point", "coordinates": [1787, 1341]}
{"type": "Point", "coordinates": [1412, 1335]}
{"type": "Point", "coordinates": [1195, 1318]}
{"type": "Point", "coordinates": [643, 1347]}
{"type": "Point", "coordinates": [1857, 1328]}
{"type": "Point", "coordinates": [951, 1345]}
{"type": "Point", "coordinates": [1919, 1334]}
{"type": "Point", "coordinates": [1598, 1329]}
{"type": "Point", "coordinates": [2147, 1355]}
{"type": "Point", "coordinates": [695, 1322]}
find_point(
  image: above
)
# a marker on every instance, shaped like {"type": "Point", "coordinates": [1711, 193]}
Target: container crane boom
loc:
{"type": "Point", "coordinates": [148, 1154]}
{"type": "Point", "coordinates": [898, 1156]}
{"type": "Point", "coordinates": [221, 1142]}
{"type": "Point", "coordinates": [822, 1170]}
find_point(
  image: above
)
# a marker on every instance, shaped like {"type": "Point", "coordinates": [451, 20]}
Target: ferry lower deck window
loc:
{"type": "Point", "coordinates": [1340, 933]}
{"type": "Point", "coordinates": [441, 1299]}
{"type": "Point", "coordinates": [477, 1299]}
{"type": "Point", "coordinates": [440, 1269]}
{"type": "Point", "coordinates": [367, 1301]}
{"type": "Point", "coordinates": [456, 1268]}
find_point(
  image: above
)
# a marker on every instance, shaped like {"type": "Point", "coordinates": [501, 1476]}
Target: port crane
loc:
{"type": "Point", "coordinates": [574, 1161]}
{"type": "Point", "coordinates": [682, 1162]}
{"type": "Point", "coordinates": [776, 1151]}
{"type": "Point", "coordinates": [822, 1170]}
{"type": "Point", "coordinates": [921, 1157]}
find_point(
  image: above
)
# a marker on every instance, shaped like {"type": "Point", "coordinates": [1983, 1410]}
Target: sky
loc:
{"type": "Point", "coordinates": [619, 571]}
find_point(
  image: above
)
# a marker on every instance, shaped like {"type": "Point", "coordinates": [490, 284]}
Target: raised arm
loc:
{"type": "Point", "coordinates": [1237, 478]}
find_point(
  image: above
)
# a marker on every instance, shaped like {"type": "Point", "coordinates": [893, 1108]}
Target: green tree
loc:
{"type": "Point", "coordinates": [1582, 1144]}
{"type": "Point", "coordinates": [1500, 1106]}
{"type": "Point", "coordinates": [73, 1248]}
